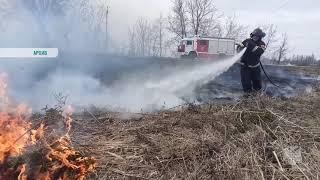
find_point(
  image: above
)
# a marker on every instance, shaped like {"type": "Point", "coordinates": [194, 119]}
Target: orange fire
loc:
{"type": "Point", "coordinates": [13, 126]}
{"type": "Point", "coordinates": [67, 112]}
{"type": "Point", "coordinates": [57, 159]}
{"type": "Point", "coordinates": [12, 137]}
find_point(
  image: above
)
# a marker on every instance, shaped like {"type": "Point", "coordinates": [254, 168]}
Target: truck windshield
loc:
{"type": "Point", "coordinates": [189, 43]}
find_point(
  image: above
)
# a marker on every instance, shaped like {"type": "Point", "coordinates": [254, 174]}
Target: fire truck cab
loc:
{"type": "Point", "coordinates": [207, 47]}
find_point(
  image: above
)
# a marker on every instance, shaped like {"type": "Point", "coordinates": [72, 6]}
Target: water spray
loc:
{"type": "Point", "coordinates": [195, 76]}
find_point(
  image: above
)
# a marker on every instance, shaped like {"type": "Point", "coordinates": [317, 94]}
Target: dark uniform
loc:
{"type": "Point", "coordinates": [250, 61]}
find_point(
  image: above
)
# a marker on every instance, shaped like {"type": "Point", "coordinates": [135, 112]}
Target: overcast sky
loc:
{"type": "Point", "coordinates": [300, 19]}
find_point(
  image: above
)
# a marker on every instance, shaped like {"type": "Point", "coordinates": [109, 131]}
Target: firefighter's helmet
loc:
{"type": "Point", "coordinates": [258, 32]}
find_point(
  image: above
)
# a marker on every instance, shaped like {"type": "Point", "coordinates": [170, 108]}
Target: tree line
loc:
{"type": "Point", "coordinates": [188, 18]}
{"type": "Point", "coordinates": [62, 22]}
{"type": "Point", "coordinates": [146, 37]}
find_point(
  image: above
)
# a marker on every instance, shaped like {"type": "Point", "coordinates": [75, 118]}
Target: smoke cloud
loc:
{"type": "Point", "coordinates": [88, 77]}
{"type": "Point", "coordinates": [83, 75]}
{"type": "Point", "coordinates": [131, 85]}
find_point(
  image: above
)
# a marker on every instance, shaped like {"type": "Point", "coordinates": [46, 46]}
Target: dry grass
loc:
{"type": "Point", "coordinates": [307, 70]}
{"type": "Point", "coordinates": [246, 140]}
{"type": "Point", "coordinates": [49, 156]}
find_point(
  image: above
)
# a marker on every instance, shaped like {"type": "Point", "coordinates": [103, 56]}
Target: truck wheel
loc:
{"type": "Point", "coordinates": [192, 55]}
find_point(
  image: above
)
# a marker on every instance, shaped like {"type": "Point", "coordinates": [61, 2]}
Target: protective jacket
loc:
{"type": "Point", "coordinates": [250, 62]}
{"type": "Point", "coordinates": [251, 57]}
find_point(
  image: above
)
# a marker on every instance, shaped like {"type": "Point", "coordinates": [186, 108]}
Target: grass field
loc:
{"type": "Point", "coordinates": [254, 138]}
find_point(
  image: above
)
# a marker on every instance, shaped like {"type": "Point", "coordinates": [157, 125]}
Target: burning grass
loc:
{"type": "Point", "coordinates": [40, 149]}
{"type": "Point", "coordinates": [256, 138]}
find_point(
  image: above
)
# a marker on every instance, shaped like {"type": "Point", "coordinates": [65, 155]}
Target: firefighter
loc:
{"type": "Point", "coordinates": [250, 61]}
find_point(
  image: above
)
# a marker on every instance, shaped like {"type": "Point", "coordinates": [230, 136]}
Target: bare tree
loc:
{"type": "Point", "coordinates": [192, 17]}
{"type": "Point", "coordinates": [42, 11]}
{"type": "Point", "coordinates": [161, 34]}
{"type": "Point", "coordinates": [283, 48]}
{"type": "Point", "coordinates": [93, 18]}
{"type": "Point", "coordinates": [271, 40]}
{"type": "Point", "coordinates": [43, 8]}
{"type": "Point", "coordinates": [155, 50]}
{"type": "Point", "coordinates": [178, 19]}
{"type": "Point", "coordinates": [146, 38]}
{"type": "Point", "coordinates": [304, 60]}
{"type": "Point", "coordinates": [232, 29]}
{"type": "Point", "coordinates": [271, 31]}
{"type": "Point", "coordinates": [132, 41]}
{"type": "Point", "coordinates": [39, 10]}
{"type": "Point", "coordinates": [203, 16]}
{"type": "Point", "coordinates": [143, 36]}
{"type": "Point", "coordinates": [107, 26]}
{"type": "Point", "coordinates": [157, 36]}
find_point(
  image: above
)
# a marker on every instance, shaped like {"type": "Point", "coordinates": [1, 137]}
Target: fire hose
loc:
{"type": "Point", "coordinates": [268, 77]}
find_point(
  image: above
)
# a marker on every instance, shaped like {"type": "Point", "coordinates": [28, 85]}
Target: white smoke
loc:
{"type": "Point", "coordinates": [77, 25]}
{"type": "Point", "coordinates": [36, 81]}
{"type": "Point", "coordinates": [131, 94]}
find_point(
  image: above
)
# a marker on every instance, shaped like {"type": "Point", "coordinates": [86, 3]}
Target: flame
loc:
{"type": "Point", "coordinates": [12, 139]}
{"type": "Point", "coordinates": [37, 134]}
{"type": "Point", "coordinates": [3, 89]}
{"type": "Point", "coordinates": [67, 113]}
{"type": "Point", "coordinates": [22, 175]}
{"type": "Point", "coordinates": [13, 126]}
{"type": "Point", "coordinates": [57, 158]}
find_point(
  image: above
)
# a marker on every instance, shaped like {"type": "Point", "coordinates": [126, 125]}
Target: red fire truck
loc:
{"type": "Point", "coordinates": [207, 47]}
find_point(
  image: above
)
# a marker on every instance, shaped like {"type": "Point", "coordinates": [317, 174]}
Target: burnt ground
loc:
{"type": "Point", "coordinates": [290, 79]}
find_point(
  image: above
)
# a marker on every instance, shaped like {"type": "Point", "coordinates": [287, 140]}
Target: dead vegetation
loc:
{"type": "Point", "coordinates": [313, 71]}
{"type": "Point", "coordinates": [256, 138]}
{"type": "Point", "coordinates": [41, 150]}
